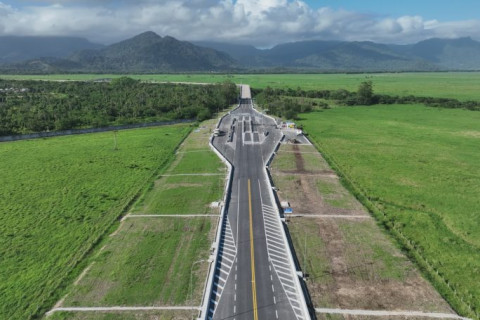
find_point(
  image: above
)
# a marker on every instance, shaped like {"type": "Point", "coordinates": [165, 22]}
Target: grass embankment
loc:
{"type": "Point", "coordinates": [418, 170]}
{"type": "Point", "coordinates": [459, 85]}
{"type": "Point", "coordinates": [149, 261]}
{"type": "Point", "coordinates": [58, 196]}
{"type": "Point", "coordinates": [350, 262]}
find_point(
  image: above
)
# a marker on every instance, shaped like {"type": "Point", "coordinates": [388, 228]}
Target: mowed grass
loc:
{"type": "Point", "coordinates": [125, 315]}
{"type": "Point", "coordinates": [58, 196]}
{"type": "Point", "coordinates": [182, 195]}
{"type": "Point", "coordinates": [460, 85]}
{"type": "Point", "coordinates": [194, 180]}
{"type": "Point", "coordinates": [148, 262]}
{"type": "Point", "coordinates": [421, 167]}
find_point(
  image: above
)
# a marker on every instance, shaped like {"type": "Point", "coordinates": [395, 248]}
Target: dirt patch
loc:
{"type": "Point", "coordinates": [352, 264]}
{"type": "Point", "coordinates": [299, 162]}
{"type": "Point", "coordinates": [363, 270]}
{"type": "Point", "coordinates": [182, 185]}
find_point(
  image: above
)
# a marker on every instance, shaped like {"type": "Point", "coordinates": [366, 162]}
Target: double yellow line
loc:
{"type": "Point", "coordinates": [252, 255]}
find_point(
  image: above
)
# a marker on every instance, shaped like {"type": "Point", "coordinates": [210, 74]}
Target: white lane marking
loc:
{"type": "Point", "coordinates": [224, 257]}
{"type": "Point", "coordinates": [238, 208]}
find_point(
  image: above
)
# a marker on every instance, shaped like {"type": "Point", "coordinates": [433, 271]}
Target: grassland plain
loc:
{"type": "Point", "coordinates": [350, 262]}
{"type": "Point", "coordinates": [58, 197]}
{"type": "Point", "coordinates": [421, 168]}
{"type": "Point", "coordinates": [459, 85]}
{"type": "Point", "coordinates": [149, 260]}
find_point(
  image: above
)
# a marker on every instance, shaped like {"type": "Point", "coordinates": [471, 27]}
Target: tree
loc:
{"type": "Point", "coordinates": [365, 93]}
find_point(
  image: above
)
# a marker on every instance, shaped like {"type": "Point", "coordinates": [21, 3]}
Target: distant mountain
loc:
{"type": "Point", "coordinates": [15, 49]}
{"type": "Point", "coordinates": [341, 56]}
{"type": "Point", "coordinates": [451, 54]}
{"type": "Point", "coordinates": [331, 56]}
{"type": "Point", "coordinates": [149, 53]}
{"type": "Point", "coordinates": [246, 55]}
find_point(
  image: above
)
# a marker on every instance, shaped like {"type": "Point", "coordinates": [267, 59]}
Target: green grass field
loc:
{"type": "Point", "coordinates": [460, 85]}
{"type": "Point", "coordinates": [421, 167]}
{"type": "Point", "coordinates": [124, 315]}
{"type": "Point", "coordinates": [58, 197]}
{"type": "Point", "coordinates": [148, 262]}
{"type": "Point", "coordinates": [194, 180]}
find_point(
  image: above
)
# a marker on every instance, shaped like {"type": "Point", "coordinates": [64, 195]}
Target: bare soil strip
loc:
{"type": "Point", "coordinates": [96, 309]}
{"type": "Point", "coordinates": [354, 268]}
{"type": "Point", "coordinates": [383, 313]}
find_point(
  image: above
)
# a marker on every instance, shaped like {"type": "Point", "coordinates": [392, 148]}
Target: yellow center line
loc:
{"type": "Point", "coordinates": [252, 255]}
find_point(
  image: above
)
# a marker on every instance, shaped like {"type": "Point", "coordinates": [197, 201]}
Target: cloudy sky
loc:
{"type": "Point", "coordinates": [262, 23]}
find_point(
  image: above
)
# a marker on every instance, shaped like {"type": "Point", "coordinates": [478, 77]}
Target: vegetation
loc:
{"type": "Point", "coordinates": [459, 85]}
{"type": "Point", "coordinates": [58, 197]}
{"type": "Point", "coordinates": [350, 262]}
{"type": "Point", "coordinates": [34, 106]}
{"type": "Point", "coordinates": [123, 315]}
{"type": "Point", "coordinates": [417, 169]}
{"type": "Point", "coordinates": [147, 262]}
{"type": "Point", "coordinates": [289, 103]}
{"type": "Point", "coordinates": [197, 170]}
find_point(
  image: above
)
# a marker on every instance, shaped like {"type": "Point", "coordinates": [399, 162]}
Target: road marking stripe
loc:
{"type": "Point", "coordinates": [224, 257]}
{"type": "Point", "coordinates": [275, 240]}
{"type": "Point", "coordinates": [278, 251]}
{"type": "Point", "coordinates": [278, 257]}
{"type": "Point", "coordinates": [252, 254]}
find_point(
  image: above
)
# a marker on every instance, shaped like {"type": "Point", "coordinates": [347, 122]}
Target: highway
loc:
{"type": "Point", "coordinates": [254, 277]}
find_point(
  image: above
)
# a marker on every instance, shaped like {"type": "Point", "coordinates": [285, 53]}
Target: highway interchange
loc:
{"type": "Point", "coordinates": [254, 276]}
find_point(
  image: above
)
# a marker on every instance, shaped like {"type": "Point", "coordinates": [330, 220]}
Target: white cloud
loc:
{"type": "Point", "coordinates": [259, 22]}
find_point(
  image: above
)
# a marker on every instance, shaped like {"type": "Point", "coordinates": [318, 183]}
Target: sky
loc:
{"type": "Point", "coordinates": [262, 23]}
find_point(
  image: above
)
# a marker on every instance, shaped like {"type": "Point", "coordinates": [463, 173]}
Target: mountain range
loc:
{"type": "Point", "coordinates": [151, 53]}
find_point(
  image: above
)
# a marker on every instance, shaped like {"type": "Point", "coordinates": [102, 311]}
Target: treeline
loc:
{"type": "Point", "coordinates": [287, 103]}
{"type": "Point", "coordinates": [36, 106]}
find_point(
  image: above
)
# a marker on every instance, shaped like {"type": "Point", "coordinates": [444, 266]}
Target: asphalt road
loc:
{"type": "Point", "coordinates": [253, 277]}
